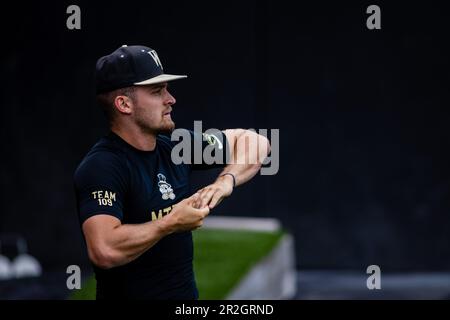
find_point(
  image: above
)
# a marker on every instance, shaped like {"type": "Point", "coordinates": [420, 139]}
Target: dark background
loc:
{"type": "Point", "coordinates": [364, 141]}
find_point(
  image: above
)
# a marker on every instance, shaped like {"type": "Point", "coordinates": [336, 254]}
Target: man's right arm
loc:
{"type": "Point", "coordinates": [111, 243]}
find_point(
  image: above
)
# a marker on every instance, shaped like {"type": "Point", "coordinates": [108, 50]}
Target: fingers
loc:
{"type": "Point", "coordinates": [197, 210]}
{"type": "Point", "coordinates": [198, 201]}
{"type": "Point", "coordinates": [210, 196]}
{"type": "Point", "coordinates": [206, 196]}
{"type": "Point", "coordinates": [203, 211]}
{"type": "Point", "coordinates": [216, 199]}
{"type": "Point", "coordinates": [187, 217]}
{"type": "Point", "coordinates": [194, 200]}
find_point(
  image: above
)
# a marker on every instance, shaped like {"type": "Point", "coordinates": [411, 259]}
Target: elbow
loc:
{"type": "Point", "coordinates": [256, 167]}
{"type": "Point", "coordinates": [104, 257]}
{"type": "Point", "coordinates": [264, 146]}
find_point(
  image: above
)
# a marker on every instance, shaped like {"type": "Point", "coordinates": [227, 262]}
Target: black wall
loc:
{"type": "Point", "coordinates": [363, 118]}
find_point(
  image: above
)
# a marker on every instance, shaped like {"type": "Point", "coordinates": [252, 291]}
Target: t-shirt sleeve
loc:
{"type": "Point", "coordinates": [201, 150]}
{"type": "Point", "coordinates": [100, 186]}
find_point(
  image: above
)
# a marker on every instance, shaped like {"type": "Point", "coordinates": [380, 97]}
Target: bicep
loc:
{"type": "Point", "coordinates": [97, 228]}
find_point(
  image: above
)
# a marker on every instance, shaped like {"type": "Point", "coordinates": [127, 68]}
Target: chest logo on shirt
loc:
{"type": "Point", "coordinates": [165, 188]}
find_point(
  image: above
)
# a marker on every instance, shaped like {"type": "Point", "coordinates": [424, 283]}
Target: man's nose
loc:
{"type": "Point", "coordinates": [170, 99]}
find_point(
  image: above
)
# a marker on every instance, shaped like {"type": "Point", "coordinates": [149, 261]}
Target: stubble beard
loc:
{"type": "Point", "coordinates": [166, 128]}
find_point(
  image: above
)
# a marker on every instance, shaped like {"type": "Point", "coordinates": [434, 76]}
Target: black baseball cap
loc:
{"type": "Point", "coordinates": [128, 66]}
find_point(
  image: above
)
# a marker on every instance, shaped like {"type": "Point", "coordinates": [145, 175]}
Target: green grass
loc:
{"type": "Point", "coordinates": [87, 291]}
{"type": "Point", "coordinates": [221, 259]}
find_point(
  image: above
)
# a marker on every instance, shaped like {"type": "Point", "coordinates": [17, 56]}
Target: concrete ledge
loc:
{"type": "Point", "coordinates": [274, 277]}
{"type": "Point", "coordinates": [242, 223]}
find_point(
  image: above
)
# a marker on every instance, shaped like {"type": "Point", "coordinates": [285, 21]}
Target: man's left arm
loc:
{"type": "Point", "coordinates": [247, 152]}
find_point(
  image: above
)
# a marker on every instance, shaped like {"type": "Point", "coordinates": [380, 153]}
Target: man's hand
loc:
{"type": "Point", "coordinates": [213, 194]}
{"type": "Point", "coordinates": [186, 215]}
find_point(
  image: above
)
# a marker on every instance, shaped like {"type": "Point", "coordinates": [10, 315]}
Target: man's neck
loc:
{"type": "Point", "coordinates": [136, 138]}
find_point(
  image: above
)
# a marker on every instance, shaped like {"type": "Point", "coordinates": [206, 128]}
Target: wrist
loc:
{"type": "Point", "coordinates": [166, 225]}
{"type": "Point", "coordinates": [230, 178]}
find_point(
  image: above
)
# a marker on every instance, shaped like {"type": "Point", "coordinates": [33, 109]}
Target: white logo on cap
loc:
{"type": "Point", "coordinates": [155, 57]}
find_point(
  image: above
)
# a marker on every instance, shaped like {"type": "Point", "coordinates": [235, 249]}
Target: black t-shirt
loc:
{"type": "Point", "coordinates": [138, 186]}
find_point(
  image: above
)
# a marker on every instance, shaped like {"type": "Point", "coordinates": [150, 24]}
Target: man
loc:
{"type": "Point", "coordinates": [134, 203]}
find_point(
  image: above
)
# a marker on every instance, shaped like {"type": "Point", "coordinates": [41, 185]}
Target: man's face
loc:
{"type": "Point", "coordinates": [152, 108]}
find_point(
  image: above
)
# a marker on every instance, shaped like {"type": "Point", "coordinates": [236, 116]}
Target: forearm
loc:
{"type": "Point", "coordinates": [126, 242]}
{"type": "Point", "coordinates": [250, 150]}
{"type": "Point", "coordinates": [247, 153]}
{"type": "Point", "coordinates": [111, 243]}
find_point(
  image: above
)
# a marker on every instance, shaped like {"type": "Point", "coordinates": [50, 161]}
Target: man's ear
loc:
{"type": "Point", "coordinates": [123, 104]}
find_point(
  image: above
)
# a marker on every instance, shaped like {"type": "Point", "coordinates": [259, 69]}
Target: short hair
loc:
{"type": "Point", "coordinates": [106, 101]}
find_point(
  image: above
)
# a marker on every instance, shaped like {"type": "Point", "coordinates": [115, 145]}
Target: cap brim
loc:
{"type": "Point", "coordinates": [160, 78]}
